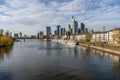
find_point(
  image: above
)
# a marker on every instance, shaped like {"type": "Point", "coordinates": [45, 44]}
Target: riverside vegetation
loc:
{"type": "Point", "coordinates": [6, 40]}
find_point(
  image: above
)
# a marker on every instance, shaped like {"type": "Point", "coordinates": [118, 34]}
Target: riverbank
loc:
{"type": "Point", "coordinates": [101, 49]}
{"type": "Point", "coordinates": [6, 41]}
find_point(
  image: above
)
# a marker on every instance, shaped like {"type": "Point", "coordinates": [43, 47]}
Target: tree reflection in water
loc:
{"type": "Point", "coordinates": [5, 52]}
{"type": "Point", "coordinates": [116, 69]}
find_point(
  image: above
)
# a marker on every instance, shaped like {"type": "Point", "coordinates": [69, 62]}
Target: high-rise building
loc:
{"type": "Point", "coordinates": [86, 30]}
{"type": "Point", "coordinates": [82, 27]}
{"type": "Point", "coordinates": [48, 30]}
{"type": "Point", "coordinates": [16, 35]}
{"type": "Point", "coordinates": [103, 28]}
{"type": "Point", "coordinates": [58, 29]}
{"type": "Point", "coordinates": [38, 35]}
{"type": "Point", "coordinates": [79, 31]}
{"type": "Point", "coordinates": [69, 29]}
{"type": "Point", "coordinates": [73, 25]}
{"type": "Point", "coordinates": [76, 27]}
{"type": "Point", "coordinates": [62, 31]}
{"type": "Point", "coordinates": [41, 33]}
{"type": "Point", "coordinates": [55, 32]}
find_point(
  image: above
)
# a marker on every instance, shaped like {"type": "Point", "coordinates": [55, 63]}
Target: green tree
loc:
{"type": "Point", "coordinates": [87, 38]}
{"type": "Point", "coordinates": [116, 36]}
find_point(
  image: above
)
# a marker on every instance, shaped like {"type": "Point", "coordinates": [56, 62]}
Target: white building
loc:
{"type": "Point", "coordinates": [106, 36]}
{"type": "Point", "coordinates": [99, 37]}
{"type": "Point", "coordinates": [79, 37]}
{"type": "Point", "coordinates": [111, 33]}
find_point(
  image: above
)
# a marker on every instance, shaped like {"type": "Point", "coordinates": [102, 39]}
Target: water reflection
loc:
{"type": "Point", "coordinates": [76, 52]}
{"type": "Point", "coordinates": [5, 76]}
{"type": "Point", "coordinates": [5, 52]}
{"type": "Point", "coordinates": [116, 69]}
{"type": "Point", "coordinates": [51, 63]}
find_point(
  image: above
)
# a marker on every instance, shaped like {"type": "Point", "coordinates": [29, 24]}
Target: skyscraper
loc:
{"type": "Point", "coordinates": [48, 30]}
{"type": "Point", "coordinates": [62, 31]}
{"type": "Point", "coordinates": [82, 27]}
{"type": "Point", "coordinates": [73, 25]}
{"type": "Point", "coordinates": [86, 30]}
{"type": "Point", "coordinates": [79, 31]}
{"type": "Point", "coordinates": [41, 33]}
{"type": "Point", "coordinates": [76, 27]}
{"type": "Point", "coordinates": [58, 29]}
{"type": "Point", "coordinates": [103, 28]}
{"type": "Point", "coordinates": [55, 32]}
{"type": "Point", "coordinates": [69, 29]}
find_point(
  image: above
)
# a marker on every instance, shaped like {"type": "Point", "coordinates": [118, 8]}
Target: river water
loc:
{"type": "Point", "coordinates": [48, 60]}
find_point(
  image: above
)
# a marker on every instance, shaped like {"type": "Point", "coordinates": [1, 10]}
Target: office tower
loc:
{"type": "Point", "coordinates": [20, 34]}
{"type": "Point", "coordinates": [76, 27]}
{"type": "Point", "coordinates": [103, 28]}
{"type": "Point", "coordinates": [82, 27]}
{"type": "Point", "coordinates": [48, 30]}
{"type": "Point", "coordinates": [15, 35]}
{"type": "Point", "coordinates": [62, 31]}
{"type": "Point", "coordinates": [79, 31]}
{"type": "Point", "coordinates": [69, 29]}
{"type": "Point", "coordinates": [58, 30]}
{"type": "Point", "coordinates": [38, 35]}
{"type": "Point", "coordinates": [55, 32]}
{"type": "Point", "coordinates": [73, 25]}
{"type": "Point", "coordinates": [86, 30]}
{"type": "Point", "coordinates": [41, 33]}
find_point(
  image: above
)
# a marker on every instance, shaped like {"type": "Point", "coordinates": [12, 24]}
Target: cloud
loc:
{"type": "Point", "coordinates": [31, 16]}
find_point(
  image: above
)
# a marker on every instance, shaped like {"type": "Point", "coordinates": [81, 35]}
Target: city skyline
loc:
{"type": "Point", "coordinates": [32, 16]}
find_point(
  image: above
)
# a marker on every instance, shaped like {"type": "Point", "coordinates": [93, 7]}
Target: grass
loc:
{"type": "Point", "coordinates": [104, 45]}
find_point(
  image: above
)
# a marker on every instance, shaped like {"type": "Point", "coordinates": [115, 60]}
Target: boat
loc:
{"type": "Point", "coordinates": [17, 40]}
{"type": "Point", "coordinates": [71, 43]}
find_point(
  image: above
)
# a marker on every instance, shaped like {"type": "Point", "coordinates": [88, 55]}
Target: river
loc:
{"type": "Point", "coordinates": [49, 60]}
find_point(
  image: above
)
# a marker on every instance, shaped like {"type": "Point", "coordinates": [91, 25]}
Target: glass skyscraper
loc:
{"type": "Point", "coordinates": [69, 29]}
{"type": "Point", "coordinates": [48, 30]}
{"type": "Point", "coordinates": [62, 31]}
{"type": "Point", "coordinates": [58, 29]}
{"type": "Point", "coordinates": [82, 27]}
{"type": "Point", "coordinates": [74, 26]}
{"type": "Point", "coordinates": [41, 33]}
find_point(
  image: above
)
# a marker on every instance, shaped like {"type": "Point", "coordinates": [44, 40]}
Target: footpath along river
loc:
{"type": "Point", "coordinates": [49, 60]}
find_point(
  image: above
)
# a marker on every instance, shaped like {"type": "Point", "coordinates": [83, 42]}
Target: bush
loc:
{"type": "Point", "coordinates": [6, 40]}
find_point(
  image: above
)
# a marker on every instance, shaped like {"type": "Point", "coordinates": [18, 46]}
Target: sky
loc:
{"type": "Point", "coordinates": [32, 16]}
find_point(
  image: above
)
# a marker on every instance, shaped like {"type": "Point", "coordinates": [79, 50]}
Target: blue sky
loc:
{"type": "Point", "coordinates": [32, 16]}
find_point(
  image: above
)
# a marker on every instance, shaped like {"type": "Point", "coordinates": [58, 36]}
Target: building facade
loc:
{"type": "Point", "coordinates": [76, 27]}
{"type": "Point", "coordinates": [82, 25]}
{"type": "Point", "coordinates": [99, 37]}
{"type": "Point", "coordinates": [41, 34]}
{"type": "Point", "coordinates": [58, 30]}
{"type": "Point", "coordinates": [73, 25]}
{"type": "Point", "coordinates": [48, 30]}
{"type": "Point", "coordinates": [63, 31]}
